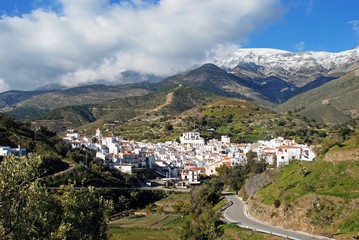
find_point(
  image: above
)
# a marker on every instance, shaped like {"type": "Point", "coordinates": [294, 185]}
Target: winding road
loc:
{"type": "Point", "coordinates": [236, 213]}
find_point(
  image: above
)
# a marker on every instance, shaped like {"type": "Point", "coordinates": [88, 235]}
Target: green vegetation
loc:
{"type": "Point", "coordinates": [241, 120]}
{"type": "Point", "coordinates": [246, 122]}
{"type": "Point", "coordinates": [142, 233]}
{"type": "Point", "coordinates": [234, 178]}
{"type": "Point", "coordinates": [232, 231]}
{"type": "Point", "coordinates": [32, 105]}
{"type": "Point", "coordinates": [329, 192]}
{"type": "Point", "coordinates": [322, 178]}
{"type": "Point", "coordinates": [204, 220]}
{"type": "Point", "coordinates": [335, 102]}
{"type": "Point", "coordinates": [29, 211]}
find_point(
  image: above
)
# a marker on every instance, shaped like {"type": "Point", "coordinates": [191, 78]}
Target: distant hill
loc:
{"type": "Point", "coordinates": [333, 103]}
{"type": "Point", "coordinates": [211, 78]}
{"type": "Point", "coordinates": [38, 104]}
{"type": "Point", "coordinates": [169, 101]}
{"type": "Point", "coordinates": [265, 77]}
{"type": "Point", "coordinates": [12, 97]}
{"type": "Point", "coordinates": [212, 116]}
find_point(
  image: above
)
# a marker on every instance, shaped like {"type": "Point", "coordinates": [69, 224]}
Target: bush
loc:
{"type": "Point", "coordinates": [277, 203]}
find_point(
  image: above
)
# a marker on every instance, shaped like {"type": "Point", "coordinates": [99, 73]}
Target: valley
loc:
{"type": "Point", "coordinates": [250, 99]}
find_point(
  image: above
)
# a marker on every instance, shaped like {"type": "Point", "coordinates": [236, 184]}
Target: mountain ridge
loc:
{"type": "Point", "coordinates": [335, 102]}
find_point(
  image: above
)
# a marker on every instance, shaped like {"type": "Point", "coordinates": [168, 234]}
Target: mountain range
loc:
{"type": "Point", "coordinates": [267, 77]}
{"type": "Point", "coordinates": [334, 103]}
{"type": "Point", "coordinates": [280, 74]}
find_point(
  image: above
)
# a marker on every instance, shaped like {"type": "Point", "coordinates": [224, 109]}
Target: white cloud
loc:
{"type": "Point", "coordinates": [3, 86]}
{"type": "Point", "coordinates": [93, 39]}
{"type": "Point", "coordinates": [300, 46]}
{"type": "Point", "coordinates": [355, 26]}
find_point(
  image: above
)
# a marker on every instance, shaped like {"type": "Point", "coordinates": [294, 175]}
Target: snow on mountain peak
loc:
{"type": "Point", "coordinates": [295, 67]}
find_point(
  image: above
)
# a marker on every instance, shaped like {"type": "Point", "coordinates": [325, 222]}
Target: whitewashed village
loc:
{"type": "Point", "coordinates": [191, 158]}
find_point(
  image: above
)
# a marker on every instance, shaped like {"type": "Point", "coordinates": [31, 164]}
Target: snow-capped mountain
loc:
{"type": "Point", "coordinates": [297, 68]}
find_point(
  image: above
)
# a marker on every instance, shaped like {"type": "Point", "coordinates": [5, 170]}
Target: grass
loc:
{"type": "Point", "coordinates": [324, 178]}
{"type": "Point", "coordinates": [118, 233]}
{"type": "Point", "coordinates": [168, 226]}
{"type": "Point", "coordinates": [145, 221]}
{"type": "Point", "coordinates": [233, 232]}
{"type": "Point", "coordinates": [220, 204]}
{"type": "Point", "coordinates": [351, 224]}
{"type": "Point", "coordinates": [172, 199]}
{"type": "Point", "coordinates": [333, 186]}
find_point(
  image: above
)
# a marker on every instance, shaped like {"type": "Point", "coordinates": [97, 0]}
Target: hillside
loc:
{"type": "Point", "coordinates": [166, 114]}
{"type": "Point", "coordinates": [333, 103]}
{"type": "Point", "coordinates": [211, 78]}
{"type": "Point", "coordinates": [239, 119]}
{"type": "Point", "coordinates": [111, 114]}
{"type": "Point", "coordinates": [39, 141]}
{"type": "Point", "coordinates": [321, 197]}
{"type": "Point", "coordinates": [12, 97]}
{"type": "Point", "coordinates": [323, 202]}
{"type": "Point", "coordinates": [35, 106]}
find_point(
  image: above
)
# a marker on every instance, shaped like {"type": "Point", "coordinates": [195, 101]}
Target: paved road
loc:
{"type": "Point", "coordinates": [236, 213]}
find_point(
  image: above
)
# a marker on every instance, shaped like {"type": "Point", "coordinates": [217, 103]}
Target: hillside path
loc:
{"type": "Point", "coordinates": [71, 167]}
{"type": "Point", "coordinates": [169, 99]}
{"type": "Point", "coordinates": [237, 213]}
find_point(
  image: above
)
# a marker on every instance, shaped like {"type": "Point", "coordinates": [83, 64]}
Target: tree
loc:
{"type": "Point", "coordinates": [205, 221]}
{"type": "Point", "coordinates": [29, 211]}
{"type": "Point", "coordinates": [84, 214]}
{"type": "Point", "coordinates": [169, 127]}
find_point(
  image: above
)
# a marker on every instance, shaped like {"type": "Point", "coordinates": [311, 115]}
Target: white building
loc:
{"type": "Point", "coordinates": [123, 167]}
{"type": "Point", "coordinates": [225, 139]}
{"type": "Point", "coordinates": [287, 153]}
{"type": "Point", "coordinates": [192, 138]}
{"type": "Point", "coordinates": [192, 175]}
{"type": "Point", "coordinates": [19, 151]}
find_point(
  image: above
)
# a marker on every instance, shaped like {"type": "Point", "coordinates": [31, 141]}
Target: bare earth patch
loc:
{"type": "Point", "coordinates": [342, 155]}
{"type": "Point", "coordinates": [294, 215]}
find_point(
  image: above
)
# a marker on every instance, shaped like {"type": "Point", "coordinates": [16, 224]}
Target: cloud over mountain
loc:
{"type": "Point", "coordinates": [87, 40]}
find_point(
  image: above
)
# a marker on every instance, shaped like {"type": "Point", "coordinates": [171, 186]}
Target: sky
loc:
{"type": "Point", "coordinates": [74, 42]}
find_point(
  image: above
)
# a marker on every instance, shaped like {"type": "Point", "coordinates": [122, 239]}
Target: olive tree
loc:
{"type": "Point", "coordinates": [29, 211]}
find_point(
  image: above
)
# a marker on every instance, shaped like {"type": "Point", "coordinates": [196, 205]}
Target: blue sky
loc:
{"type": "Point", "coordinates": [75, 42]}
{"type": "Point", "coordinates": [317, 25]}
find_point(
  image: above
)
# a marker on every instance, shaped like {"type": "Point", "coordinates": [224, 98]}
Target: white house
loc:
{"type": "Point", "coordinates": [123, 167]}
{"type": "Point", "coordinates": [287, 153]}
{"type": "Point", "coordinates": [72, 134]}
{"type": "Point", "coordinates": [192, 175]}
{"type": "Point", "coordinates": [19, 151]}
{"type": "Point", "coordinates": [192, 138]}
{"type": "Point", "coordinates": [225, 139]}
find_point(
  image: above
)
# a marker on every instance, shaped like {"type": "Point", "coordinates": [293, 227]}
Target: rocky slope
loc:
{"type": "Point", "coordinates": [296, 68]}
{"type": "Point", "coordinates": [288, 73]}
{"type": "Point", "coordinates": [211, 78]}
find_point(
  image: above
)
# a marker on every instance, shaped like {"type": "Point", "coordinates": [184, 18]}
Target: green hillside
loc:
{"type": "Point", "coordinates": [320, 197]}
{"type": "Point", "coordinates": [333, 103]}
{"type": "Point", "coordinates": [12, 97]}
{"type": "Point", "coordinates": [111, 114]}
{"type": "Point", "coordinates": [39, 141]}
{"type": "Point", "coordinates": [239, 119]}
{"type": "Point", "coordinates": [34, 107]}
